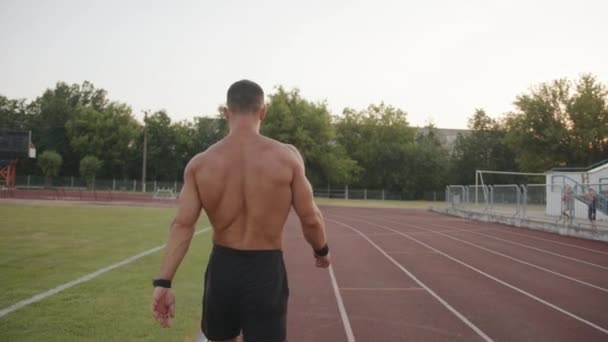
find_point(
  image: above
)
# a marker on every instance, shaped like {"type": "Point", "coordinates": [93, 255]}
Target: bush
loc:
{"type": "Point", "coordinates": [89, 166]}
{"type": "Point", "coordinates": [50, 164]}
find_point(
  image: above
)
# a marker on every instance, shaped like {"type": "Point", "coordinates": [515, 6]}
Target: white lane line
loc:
{"type": "Point", "coordinates": [350, 337]}
{"type": "Point", "coordinates": [507, 241]}
{"type": "Point", "coordinates": [550, 240]}
{"type": "Point", "coordinates": [553, 306]}
{"type": "Point", "coordinates": [499, 230]}
{"type": "Point", "coordinates": [376, 234]}
{"type": "Point", "coordinates": [83, 279]}
{"type": "Point", "coordinates": [512, 258]}
{"type": "Point", "coordinates": [542, 250]}
{"type": "Point", "coordinates": [448, 230]}
{"type": "Point", "coordinates": [420, 283]}
{"type": "Point", "coordinates": [411, 252]}
{"type": "Point", "coordinates": [381, 288]}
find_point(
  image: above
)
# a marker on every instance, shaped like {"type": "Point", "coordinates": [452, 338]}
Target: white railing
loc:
{"type": "Point", "coordinates": [562, 201]}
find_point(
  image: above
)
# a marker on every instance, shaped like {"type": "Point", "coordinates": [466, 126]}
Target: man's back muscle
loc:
{"type": "Point", "coordinates": [244, 183]}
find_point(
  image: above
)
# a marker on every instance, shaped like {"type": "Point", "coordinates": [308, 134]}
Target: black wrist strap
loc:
{"type": "Point", "coordinates": [323, 251]}
{"type": "Point", "coordinates": [161, 283]}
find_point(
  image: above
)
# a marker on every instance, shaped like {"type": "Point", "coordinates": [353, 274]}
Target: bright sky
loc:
{"type": "Point", "coordinates": [436, 59]}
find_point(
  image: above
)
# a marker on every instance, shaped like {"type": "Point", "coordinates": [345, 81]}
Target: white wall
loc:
{"type": "Point", "coordinates": [597, 174]}
{"type": "Point", "coordinates": [554, 200]}
{"type": "Point", "coordinates": [554, 195]}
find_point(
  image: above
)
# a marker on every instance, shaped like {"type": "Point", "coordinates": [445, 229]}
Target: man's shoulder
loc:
{"type": "Point", "coordinates": [280, 146]}
{"type": "Point", "coordinates": [291, 151]}
{"type": "Point", "coordinates": [196, 161]}
{"type": "Point", "coordinates": [205, 156]}
{"type": "Point", "coordinates": [295, 153]}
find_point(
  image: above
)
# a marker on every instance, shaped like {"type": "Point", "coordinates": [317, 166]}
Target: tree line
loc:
{"type": "Point", "coordinates": [80, 131]}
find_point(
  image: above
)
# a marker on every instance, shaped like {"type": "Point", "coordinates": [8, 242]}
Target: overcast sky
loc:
{"type": "Point", "coordinates": [436, 59]}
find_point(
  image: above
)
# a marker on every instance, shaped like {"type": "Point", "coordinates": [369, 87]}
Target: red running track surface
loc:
{"type": "Point", "coordinates": [413, 275]}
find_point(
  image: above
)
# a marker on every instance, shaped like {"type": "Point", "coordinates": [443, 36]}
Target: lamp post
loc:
{"type": "Point", "coordinates": [145, 156]}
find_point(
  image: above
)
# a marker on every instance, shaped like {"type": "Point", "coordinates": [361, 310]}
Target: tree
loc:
{"type": "Point", "coordinates": [50, 164]}
{"type": "Point", "coordinates": [430, 163]}
{"type": "Point", "coordinates": [560, 123]}
{"type": "Point", "coordinates": [51, 111]}
{"type": "Point", "coordinates": [538, 130]}
{"type": "Point", "coordinates": [484, 148]}
{"type": "Point", "coordinates": [109, 132]}
{"type": "Point", "coordinates": [162, 159]}
{"type": "Point", "coordinates": [381, 141]}
{"type": "Point", "coordinates": [588, 114]}
{"type": "Point", "coordinates": [89, 167]}
{"type": "Point", "coordinates": [294, 120]}
{"type": "Point", "coordinates": [187, 143]}
{"type": "Point", "coordinates": [208, 131]}
{"type": "Point", "coordinates": [14, 114]}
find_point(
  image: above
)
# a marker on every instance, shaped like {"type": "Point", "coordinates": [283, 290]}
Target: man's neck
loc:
{"type": "Point", "coordinates": [244, 127]}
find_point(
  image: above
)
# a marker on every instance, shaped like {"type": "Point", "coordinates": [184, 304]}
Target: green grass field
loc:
{"type": "Point", "coordinates": [44, 246]}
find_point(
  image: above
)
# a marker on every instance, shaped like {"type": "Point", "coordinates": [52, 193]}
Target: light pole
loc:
{"type": "Point", "coordinates": [145, 157]}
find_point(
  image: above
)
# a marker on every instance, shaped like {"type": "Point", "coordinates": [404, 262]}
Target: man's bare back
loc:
{"type": "Point", "coordinates": [244, 183]}
{"type": "Point", "coordinates": [247, 184]}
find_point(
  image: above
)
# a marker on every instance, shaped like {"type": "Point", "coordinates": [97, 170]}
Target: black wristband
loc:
{"type": "Point", "coordinates": [161, 283]}
{"type": "Point", "coordinates": [323, 251]}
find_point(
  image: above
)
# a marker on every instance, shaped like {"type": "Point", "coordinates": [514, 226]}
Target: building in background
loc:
{"type": "Point", "coordinates": [447, 136]}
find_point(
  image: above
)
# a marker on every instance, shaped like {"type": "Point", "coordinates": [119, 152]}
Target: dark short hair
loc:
{"type": "Point", "coordinates": [245, 96]}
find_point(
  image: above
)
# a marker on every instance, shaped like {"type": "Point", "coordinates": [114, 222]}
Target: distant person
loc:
{"type": "Point", "coordinates": [247, 184]}
{"type": "Point", "coordinates": [592, 206]}
{"type": "Point", "coordinates": [568, 202]}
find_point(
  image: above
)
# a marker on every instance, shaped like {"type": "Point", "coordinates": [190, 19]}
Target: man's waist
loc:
{"type": "Point", "coordinates": [221, 249]}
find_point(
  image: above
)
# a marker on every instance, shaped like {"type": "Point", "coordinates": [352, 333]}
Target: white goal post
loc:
{"type": "Point", "coordinates": [165, 193]}
{"type": "Point", "coordinates": [479, 176]}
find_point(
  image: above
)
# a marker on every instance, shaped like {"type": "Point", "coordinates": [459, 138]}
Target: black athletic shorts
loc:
{"type": "Point", "coordinates": [245, 291]}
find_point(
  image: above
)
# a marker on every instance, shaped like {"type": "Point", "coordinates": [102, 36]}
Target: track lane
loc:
{"type": "Point", "coordinates": [532, 314]}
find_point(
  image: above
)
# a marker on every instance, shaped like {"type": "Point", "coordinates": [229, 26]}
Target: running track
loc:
{"type": "Point", "coordinates": [413, 275]}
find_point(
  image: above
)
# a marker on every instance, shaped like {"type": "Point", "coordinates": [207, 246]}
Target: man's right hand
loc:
{"type": "Point", "coordinates": [322, 261]}
{"type": "Point", "coordinates": [163, 306]}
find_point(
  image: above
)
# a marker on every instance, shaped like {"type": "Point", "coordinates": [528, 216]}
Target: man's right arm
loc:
{"type": "Point", "coordinates": [310, 216]}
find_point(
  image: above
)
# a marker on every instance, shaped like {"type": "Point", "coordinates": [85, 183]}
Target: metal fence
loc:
{"type": "Point", "coordinates": [457, 195]}
{"type": "Point", "coordinates": [79, 194]}
{"type": "Point", "coordinates": [506, 199]}
{"type": "Point", "coordinates": [561, 201]}
{"type": "Point", "coordinates": [124, 185]}
{"type": "Point", "coordinates": [347, 193]}
{"type": "Point", "coordinates": [73, 188]}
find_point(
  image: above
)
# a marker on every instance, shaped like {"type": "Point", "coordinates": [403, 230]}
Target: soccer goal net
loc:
{"type": "Point", "coordinates": [165, 193]}
{"type": "Point", "coordinates": [509, 187]}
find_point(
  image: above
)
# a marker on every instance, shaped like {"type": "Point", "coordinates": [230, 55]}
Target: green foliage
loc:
{"type": "Point", "coordinates": [380, 139]}
{"type": "Point", "coordinates": [110, 132]}
{"type": "Point", "coordinates": [484, 148]}
{"type": "Point", "coordinates": [430, 163]}
{"type": "Point", "coordinates": [559, 124]}
{"type": "Point", "coordinates": [50, 163]}
{"type": "Point", "coordinates": [54, 109]}
{"type": "Point", "coordinates": [588, 110]}
{"type": "Point", "coordinates": [13, 113]}
{"type": "Point", "coordinates": [308, 126]}
{"type": "Point", "coordinates": [207, 131]}
{"type": "Point", "coordinates": [170, 146]}
{"type": "Point", "coordinates": [538, 131]}
{"type": "Point", "coordinates": [89, 167]}
{"type": "Point", "coordinates": [556, 123]}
